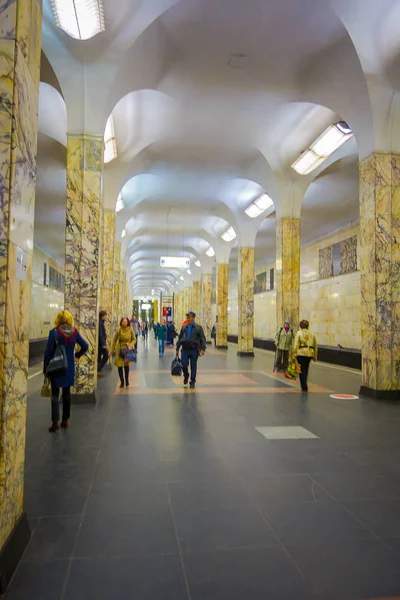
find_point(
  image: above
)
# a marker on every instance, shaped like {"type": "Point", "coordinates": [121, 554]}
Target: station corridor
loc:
{"type": "Point", "coordinates": [241, 489]}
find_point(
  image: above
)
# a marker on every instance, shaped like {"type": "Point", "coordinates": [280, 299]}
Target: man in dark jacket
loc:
{"type": "Point", "coordinates": [193, 342]}
{"type": "Point", "coordinates": [103, 352]}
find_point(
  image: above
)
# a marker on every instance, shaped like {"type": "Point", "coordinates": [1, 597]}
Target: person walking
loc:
{"type": "Point", "coordinates": [214, 334]}
{"type": "Point", "coordinates": [65, 334]}
{"type": "Point", "coordinates": [161, 336]}
{"type": "Point", "coordinates": [103, 353]}
{"type": "Point", "coordinates": [145, 331]}
{"type": "Point", "coordinates": [305, 349]}
{"type": "Point", "coordinates": [124, 338]}
{"type": "Point", "coordinates": [173, 332]}
{"type": "Point", "coordinates": [283, 343]}
{"type": "Point", "coordinates": [192, 341]}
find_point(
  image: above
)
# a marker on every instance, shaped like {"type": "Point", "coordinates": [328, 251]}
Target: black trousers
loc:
{"type": "Point", "coordinates": [55, 403]}
{"type": "Point", "coordinates": [282, 359]}
{"type": "Point", "coordinates": [121, 374]}
{"type": "Point", "coordinates": [304, 362]}
{"type": "Point", "coordinates": [102, 359]}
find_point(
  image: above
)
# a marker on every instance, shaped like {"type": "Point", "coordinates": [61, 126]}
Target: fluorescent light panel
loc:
{"type": "Point", "coordinates": [253, 211]}
{"type": "Point", "coordinates": [81, 19]}
{"type": "Point", "coordinates": [229, 235]}
{"type": "Point", "coordinates": [123, 234]}
{"type": "Point", "coordinates": [264, 202]}
{"type": "Point", "coordinates": [210, 252]}
{"type": "Point", "coordinates": [197, 263]}
{"type": "Point", "coordinates": [119, 204]}
{"type": "Point", "coordinates": [175, 262]}
{"type": "Point", "coordinates": [189, 272]}
{"type": "Point", "coordinates": [328, 142]}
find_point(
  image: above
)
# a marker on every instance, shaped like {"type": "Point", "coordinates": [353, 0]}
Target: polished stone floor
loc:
{"type": "Point", "coordinates": [243, 489]}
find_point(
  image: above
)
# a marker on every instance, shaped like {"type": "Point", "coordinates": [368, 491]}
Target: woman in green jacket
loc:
{"type": "Point", "coordinates": [124, 338]}
{"type": "Point", "coordinates": [162, 336]}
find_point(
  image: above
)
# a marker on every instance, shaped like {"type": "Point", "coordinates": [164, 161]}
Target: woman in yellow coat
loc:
{"type": "Point", "coordinates": [305, 349]}
{"type": "Point", "coordinates": [124, 338]}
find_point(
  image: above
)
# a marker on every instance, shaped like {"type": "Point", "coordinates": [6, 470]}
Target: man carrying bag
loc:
{"type": "Point", "coordinates": [193, 343]}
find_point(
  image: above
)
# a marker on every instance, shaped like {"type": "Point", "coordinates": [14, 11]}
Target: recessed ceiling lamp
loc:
{"type": "Point", "coordinates": [152, 292]}
{"type": "Point", "coordinates": [110, 143]}
{"type": "Point", "coordinates": [259, 206]}
{"type": "Point", "coordinates": [210, 252]}
{"type": "Point", "coordinates": [189, 272]}
{"type": "Point", "coordinates": [177, 282]}
{"type": "Point", "coordinates": [328, 142]}
{"type": "Point", "coordinates": [119, 204]}
{"type": "Point", "coordinates": [175, 262]}
{"type": "Point", "coordinates": [123, 234]}
{"type": "Point", "coordinates": [229, 235]}
{"type": "Point", "coordinates": [81, 19]}
{"type": "Point", "coordinates": [182, 278]}
{"type": "Point", "coordinates": [197, 263]}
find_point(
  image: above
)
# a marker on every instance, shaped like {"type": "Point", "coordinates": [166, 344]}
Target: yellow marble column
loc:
{"type": "Point", "coordinates": [121, 307]}
{"type": "Point", "coordinates": [380, 275]}
{"type": "Point", "coordinates": [82, 250]}
{"type": "Point", "coordinates": [116, 286]}
{"type": "Point", "coordinates": [206, 299]}
{"type": "Point", "coordinates": [222, 305]}
{"type": "Point", "coordinates": [107, 267]}
{"type": "Point", "coordinates": [176, 308]}
{"type": "Point", "coordinates": [187, 301]}
{"type": "Point", "coordinates": [20, 32]}
{"type": "Point", "coordinates": [287, 273]}
{"type": "Point", "coordinates": [246, 302]}
{"type": "Point", "coordinates": [196, 299]}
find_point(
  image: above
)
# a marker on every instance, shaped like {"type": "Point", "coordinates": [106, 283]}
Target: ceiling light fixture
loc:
{"type": "Point", "coordinates": [229, 235]}
{"type": "Point", "coordinates": [182, 278]}
{"type": "Point", "coordinates": [210, 252]}
{"type": "Point", "coordinates": [177, 282]}
{"type": "Point", "coordinates": [123, 234]}
{"type": "Point", "coordinates": [81, 19]}
{"type": "Point", "coordinates": [110, 143]}
{"type": "Point", "coordinates": [328, 142]}
{"type": "Point", "coordinates": [197, 263]}
{"type": "Point", "coordinates": [175, 262]}
{"type": "Point", "coordinates": [253, 211]}
{"type": "Point", "coordinates": [189, 272]}
{"type": "Point", "coordinates": [260, 205]}
{"type": "Point", "coordinates": [120, 203]}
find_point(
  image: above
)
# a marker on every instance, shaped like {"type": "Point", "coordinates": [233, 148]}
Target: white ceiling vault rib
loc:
{"type": "Point", "coordinates": [212, 102]}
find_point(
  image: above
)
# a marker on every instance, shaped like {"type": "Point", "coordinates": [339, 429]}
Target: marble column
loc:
{"type": "Point", "coordinates": [20, 32]}
{"type": "Point", "coordinates": [121, 305]}
{"type": "Point", "coordinates": [222, 305]}
{"type": "Point", "coordinates": [380, 275]}
{"type": "Point", "coordinates": [196, 299]}
{"type": "Point", "coordinates": [246, 302]}
{"type": "Point", "coordinates": [82, 250]}
{"type": "Point", "coordinates": [116, 286]}
{"type": "Point", "coordinates": [187, 301]}
{"type": "Point", "coordinates": [107, 267]}
{"type": "Point", "coordinates": [177, 299]}
{"type": "Point", "coordinates": [287, 273]}
{"type": "Point", "coordinates": [206, 310]}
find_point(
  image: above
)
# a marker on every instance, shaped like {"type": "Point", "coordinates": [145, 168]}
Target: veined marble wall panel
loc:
{"type": "Point", "coordinates": [222, 304]}
{"type": "Point", "coordinates": [82, 255]}
{"type": "Point", "coordinates": [287, 272]}
{"type": "Point", "coordinates": [20, 43]}
{"type": "Point", "coordinates": [196, 299]}
{"type": "Point", "coordinates": [107, 267]}
{"type": "Point", "coordinates": [246, 300]}
{"type": "Point", "coordinates": [116, 287]}
{"type": "Point", "coordinates": [206, 318]}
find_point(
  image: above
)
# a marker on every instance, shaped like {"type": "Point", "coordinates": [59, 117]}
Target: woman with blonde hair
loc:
{"type": "Point", "coordinates": [63, 335]}
{"type": "Point", "coordinates": [305, 349]}
{"type": "Point", "coordinates": [124, 338]}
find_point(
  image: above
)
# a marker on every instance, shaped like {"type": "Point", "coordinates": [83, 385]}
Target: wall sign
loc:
{"type": "Point", "coordinates": [21, 264]}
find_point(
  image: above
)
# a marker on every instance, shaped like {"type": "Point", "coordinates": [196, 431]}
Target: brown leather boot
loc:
{"type": "Point", "coordinates": [54, 427]}
{"type": "Point", "coordinates": [64, 424]}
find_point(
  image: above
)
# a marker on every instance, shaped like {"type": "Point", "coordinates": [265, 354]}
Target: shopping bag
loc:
{"type": "Point", "coordinates": [128, 354]}
{"type": "Point", "coordinates": [293, 369]}
{"type": "Point", "coordinates": [176, 367]}
{"type": "Point", "coordinates": [46, 388]}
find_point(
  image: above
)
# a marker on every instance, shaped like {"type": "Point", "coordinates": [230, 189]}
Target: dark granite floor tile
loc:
{"type": "Point", "coordinates": [54, 538]}
{"type": "Point", "coordinates": [127, 535]}
{"type": "Point", "coordinates": [56, 501]}
{"type": "Point", "coordinates": [206, 494]}
{"type": "Point", "coordinates": [284, 489]}
{"type": "Point", "coordinates": [145, 578]}
{"type": "Point", "coordinates": [127, 497]}
{"type": "Point", "coordinates": [350, 569]}
{"type": "Point", "coordinates": [222, 529]}
{"type": "Point", "coordinates": [43, 581]}
{"type": "Point", "coordinates": [362, 484]}
{"type": "Point", "coordinates": [237, 574]}
{"type": "Point", "coordinates": [382, 516]}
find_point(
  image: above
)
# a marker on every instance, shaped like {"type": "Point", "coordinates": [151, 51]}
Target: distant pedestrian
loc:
{"type": "Point", "coordinates": [214, 334]}
{"type": "Point", "coordinates": [305, 349]}
{"type": "Point", "coordinates": [124, 338]}
{"type": "Point", "coordinates": [161, 336]}
{"type": "Point", "coordinates": [192, 341]}
{"type": "Point", "coordinates": [103, 353]}
{"type": "Point", "coordinates": [283, 343]}
{"type": "Point", "coordinates": [64, 334]}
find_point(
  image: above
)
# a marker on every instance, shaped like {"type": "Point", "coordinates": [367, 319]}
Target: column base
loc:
{"type": "Point", "coordinates": [251, 354]}
{"type": "Point", "coordinates": [222, 347]}
{"type": "Point", "coordinates": [380, 394]}
{"type": "Point", "coordinates": [91, 398]}
{"type": "Point", "coordinates": [13, 550]}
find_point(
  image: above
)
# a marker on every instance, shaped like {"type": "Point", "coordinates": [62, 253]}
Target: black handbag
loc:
{"type": "Point", "coordinates": [128, 354]}
{"type": "Point", "coordinates": [176, 367]}
{"type": "Point", "coordinates": [58, 364]}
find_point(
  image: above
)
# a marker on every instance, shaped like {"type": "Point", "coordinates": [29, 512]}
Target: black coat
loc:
{"type": "Point", "coordinates": [197, 338]}
{"type": "Point", "coordinates": [102, 334]}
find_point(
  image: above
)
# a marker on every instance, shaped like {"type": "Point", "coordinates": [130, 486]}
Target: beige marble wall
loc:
{"type": "Point", "coordinates": [107, 267]}
{"type": "Point", "coordinates": [287, 270]}
{"type": "Point", "coordinates": [82, 254]}
{"type": "Point", "coordinates": [380, 271]}
{"type": "Point", "coordinates": [45, 301]}
{"type": "Point", "coordinates": [20, 39]}
{"type": "Point", "coordinates": [222, 304]}
{"type": "Point", "coordinates": [206, 308]}
{"type": "Point", "coordinates": [246, 300]}
{"type": "Point", "coordinates": [196, 299]}
{"type": "Point", "coordinates": [187, 305]}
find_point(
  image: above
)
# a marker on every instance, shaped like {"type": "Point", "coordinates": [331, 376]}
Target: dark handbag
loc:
{"type": "Point", "coordinates": [128, 354]}
{"type": "Point", "coordinates": [58, 364]}
{"type": "Point", "coordinates": [176, 367]}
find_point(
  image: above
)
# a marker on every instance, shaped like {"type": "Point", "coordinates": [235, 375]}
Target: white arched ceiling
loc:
{"type": "Point", "coordinates": [197, 135]}
{"type": "Point", "coordinates": [52, 114]}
